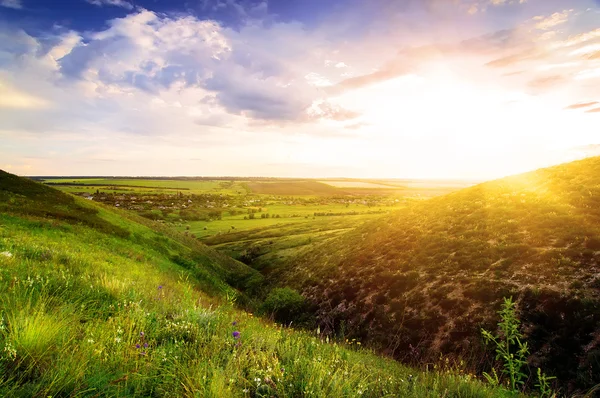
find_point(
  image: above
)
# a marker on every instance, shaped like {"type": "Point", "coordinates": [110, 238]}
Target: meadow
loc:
{"type": "Point", "coordinates": [98, 302]}
{"type": "Point", "coordinates": [411, 273]}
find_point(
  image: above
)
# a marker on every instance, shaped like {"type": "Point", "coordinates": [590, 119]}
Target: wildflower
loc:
{"type": "Point", "coordinates": [160, 287]}
{"type": "Point", "coordinates": [137, 346]}
{"type": "Point", "coordinates": [236, 334]}
{"type": "Point", "coordinates": [234, 323]}
{"type": "Point", "coordinates": [143, 353]}
{"type": "Point", "coordinates": [145, 345]}
{"type": "Point", "coordinates": [11, 353]}
{"type": "Point", "coordinates": [141, 334]}
{"type": "Point", "coordinates": [117, 339]}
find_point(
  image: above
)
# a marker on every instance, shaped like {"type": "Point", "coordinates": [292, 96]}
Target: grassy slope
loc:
{"type": "Point", "coordinates": [95, 303]}
{"type": "Point", "coordinates": [422, 283]}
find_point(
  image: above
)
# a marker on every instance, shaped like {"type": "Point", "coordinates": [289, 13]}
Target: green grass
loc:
{"type": "Point", "coordinates": [106, 304]}
{"type": "Point", "coordinates": [224, 226]}
{"type": "Point", "coordinates": [269, 248]}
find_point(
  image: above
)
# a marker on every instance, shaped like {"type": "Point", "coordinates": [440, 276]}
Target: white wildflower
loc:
{"type": "Point", "coordinates": [11, 353]}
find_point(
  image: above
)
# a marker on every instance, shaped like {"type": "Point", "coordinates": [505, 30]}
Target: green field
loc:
{"type": "Point", "coordinates": [206, 208]}
{"type": "Point", "coordinates": [150, 185]}
{"type": "Point", "coordinates": [289, 215]}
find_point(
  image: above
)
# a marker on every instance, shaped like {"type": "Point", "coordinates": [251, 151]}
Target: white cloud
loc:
{"type": "Point", "coordinates": [479, 6]}
{"type": "Point", "coordinates": [117, 3]}
{"type": "Point", "coordinates": [15, 99]}
{"type": "Point", "coordinates": [15, 4]}
{"type": "Point", "coordinates": [251, 72]}
{"type": "Point", "coordinates": [558, 18]}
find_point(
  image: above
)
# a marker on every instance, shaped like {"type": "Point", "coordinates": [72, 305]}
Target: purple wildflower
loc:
{"type": "Point", "coordinates": [143, 353]}
{"type": "Point", "coordinates": [234, 323]}
{"type": "Point", "coordinates": [137, 346]}
{"type": "Point", "coordinates": [145, 345]}
{"type": "Point", "coordinates": [236, 334]}
{"type": "Point", "coordinates": [141, 334]}
{"type": "Point", "coordinates": [159, 287]}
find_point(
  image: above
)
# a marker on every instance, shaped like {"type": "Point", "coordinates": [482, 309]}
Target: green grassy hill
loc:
{"type": "Point", "coordinates": [98, 302]}
{"type": "Point", "coordinates": [420, 284]}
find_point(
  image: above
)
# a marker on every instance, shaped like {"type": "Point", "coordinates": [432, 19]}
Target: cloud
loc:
{"type": "Point", "coordinates": [595, 110]}
{"type": "Point", "coordinates": [509, 60]}
{"type": "Point", "coordinates": [546, 82]}
{"type": "Point", "coordinates": [412, 59]}
{"type": "Point", "coordinates": [580, 38]}
{"type": "Point", "coordinates": [327, 110]}
{"type": "Point", "coordinates": [389, 71]}
{"type": "Point", "coordinates": [474, 7]}
{"type": "Point", "coordinates": [582, 105]}
{"type": "Point", "coordinates": [406, 62]}
{"type": "Point", "coordinates": [15, 4]}
{"type": "Point", "coordinates": [14, 99]}
{"type": "Point", "coordinates": [117, 3]}
{"type": "Point", "coordinates": [503, 2]}
{"type": "Point", "coordinates": [558, 18]}
{"type": "Point", "coordinates": [356, 126]}
{"type": "Point", "coordinates": [255, 72]}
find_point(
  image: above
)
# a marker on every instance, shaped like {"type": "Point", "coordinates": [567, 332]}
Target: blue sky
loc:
{"type": "Point", "coordinates": [357, 88]}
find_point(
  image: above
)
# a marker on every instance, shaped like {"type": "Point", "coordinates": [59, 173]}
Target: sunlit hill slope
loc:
{"type": "Point", "coordinates": [422, 282]}
{"type": "Point", "coordinates": [97, 302]}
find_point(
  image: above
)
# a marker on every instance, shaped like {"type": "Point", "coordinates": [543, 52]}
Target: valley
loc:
{"type": "Point", "coordinates": [413, 272]}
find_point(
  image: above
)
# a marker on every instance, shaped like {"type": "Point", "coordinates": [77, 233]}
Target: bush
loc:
{"type": "Point", "coordinates": [284, 305]}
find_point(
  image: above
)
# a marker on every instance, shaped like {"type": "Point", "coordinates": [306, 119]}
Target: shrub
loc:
{"type": "Point", "coordinates": [284, 305]}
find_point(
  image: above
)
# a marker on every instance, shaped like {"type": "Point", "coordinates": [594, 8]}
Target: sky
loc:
{"type": "Point", "coordinates": [473, 89]}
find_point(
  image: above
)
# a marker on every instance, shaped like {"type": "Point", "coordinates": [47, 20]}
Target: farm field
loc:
{"type": "Point", "coordinates": [90, 185]}
{"type": "Point", "coordinates": [357, 184]}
